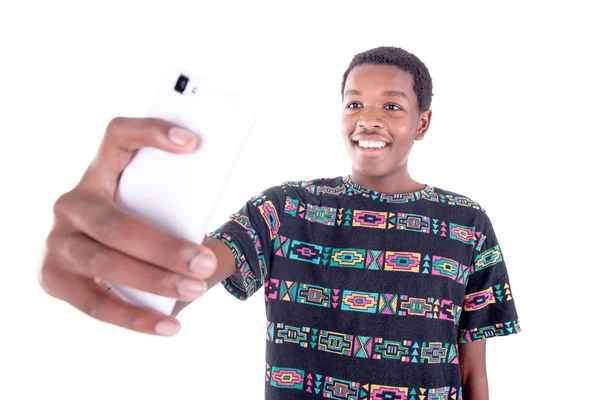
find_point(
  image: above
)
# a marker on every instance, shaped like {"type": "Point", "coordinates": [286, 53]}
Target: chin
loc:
{"type": "Point", "coordinates": [371, 170]}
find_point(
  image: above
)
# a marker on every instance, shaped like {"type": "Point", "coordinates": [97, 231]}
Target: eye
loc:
{"type": "Point", "coordinates": [354, 104]}
{"type": "Point", "coordinates": [393, 107]}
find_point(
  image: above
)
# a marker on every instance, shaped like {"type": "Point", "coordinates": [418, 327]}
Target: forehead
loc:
{"type": "Point", "coordinates": [376, 79]}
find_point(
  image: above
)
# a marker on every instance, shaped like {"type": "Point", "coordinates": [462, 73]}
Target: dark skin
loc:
{"type": "Point", "coordinates": [93, 241]}
{"type": "Point", "coordinates": [380, 104]}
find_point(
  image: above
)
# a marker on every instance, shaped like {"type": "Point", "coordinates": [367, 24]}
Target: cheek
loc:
{"type": "Point", "coordinates": [348, 124]}
{"type": "Point", "coordinates": [403, 129]}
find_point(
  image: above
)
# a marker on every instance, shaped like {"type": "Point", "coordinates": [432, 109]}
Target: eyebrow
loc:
{"type": "Point", "coordinates": [393, 93]}
{"type": "Point", "coordinates": [396, 93]}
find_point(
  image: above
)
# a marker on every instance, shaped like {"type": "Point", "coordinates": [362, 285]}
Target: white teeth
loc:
{"type": "Point", "coordinates": [371, 145]}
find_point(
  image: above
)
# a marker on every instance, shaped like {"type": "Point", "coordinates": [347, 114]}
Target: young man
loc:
{"type": "Point", "coordinates": [376, 286]}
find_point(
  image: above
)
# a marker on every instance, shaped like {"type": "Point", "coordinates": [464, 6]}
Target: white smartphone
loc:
{"type": "Point", "coordinates": [179, 193]}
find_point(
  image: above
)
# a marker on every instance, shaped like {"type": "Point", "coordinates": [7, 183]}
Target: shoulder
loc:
{"type": "Point", "coordinates": [301, 189]}
{"type": "Point", "coordinates": [461, 206]}
{"type": "Point", "coordinates": [450, 198]}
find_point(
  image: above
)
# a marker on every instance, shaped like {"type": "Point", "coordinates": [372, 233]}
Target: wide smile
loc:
{"type": "Point", "coordinates": [370, 147]}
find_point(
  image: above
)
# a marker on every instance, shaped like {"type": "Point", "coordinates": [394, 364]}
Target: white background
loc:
{"type": "Point", "coordinates": [515, 100]}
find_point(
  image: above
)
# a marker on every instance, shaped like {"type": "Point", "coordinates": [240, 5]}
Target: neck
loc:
{"type": "Point", "coordinates": [400, 182]}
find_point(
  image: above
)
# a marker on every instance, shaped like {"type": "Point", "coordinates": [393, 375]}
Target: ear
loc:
{"type": "Point", "coordinates": [424, 122]}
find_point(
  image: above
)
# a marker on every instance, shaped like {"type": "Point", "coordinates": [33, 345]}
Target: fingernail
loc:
{"type": "Point", "coordinates": [180, 136]}
{"type": "Point", "coordinates": [190, 288]}
{"type": "Point", "coordinates": [166, 328]}
{"type": "Point", "coordinates": [202, 264]}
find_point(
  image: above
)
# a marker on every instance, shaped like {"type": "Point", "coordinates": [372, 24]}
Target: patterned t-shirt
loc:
{"type": "Point", "coordinates": [367, 294]}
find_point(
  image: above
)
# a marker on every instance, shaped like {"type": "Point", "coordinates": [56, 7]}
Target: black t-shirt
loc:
{"type": "Point", "coordinates": [368, 294]}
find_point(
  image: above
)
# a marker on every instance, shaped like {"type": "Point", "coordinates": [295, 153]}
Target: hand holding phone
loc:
{"type": "Point", "coordinates": [94, 240]}
{"type": "Point", "coordinates": [179, 193]}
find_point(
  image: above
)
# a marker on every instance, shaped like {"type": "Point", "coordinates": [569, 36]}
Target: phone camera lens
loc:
{"type": "Point", "coordinates": [181, 83]}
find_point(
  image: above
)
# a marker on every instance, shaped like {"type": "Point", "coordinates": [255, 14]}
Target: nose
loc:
{"type": "Point", "coordinates": [370, 120]}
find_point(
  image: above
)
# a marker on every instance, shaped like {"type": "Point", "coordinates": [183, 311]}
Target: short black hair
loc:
{"type": "Point", "coordinates": [404, 60]}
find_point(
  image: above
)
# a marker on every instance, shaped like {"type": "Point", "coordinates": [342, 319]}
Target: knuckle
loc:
{"type": "Point", "coordinates": [115, 125]}
{"type": "Point", "coordinates": [162, 281]}
{"type": "Point", "coordinates": [53, 241]}
{"type": "Point", "coordinates": [62, 205]}
{"type": "Point", "coordinates": [155, 129]}
{"type": "Point", "coordinates": [43, 278]}
{"type": "Point", "coordinates": [107, 223]}
{"type": "Point", "coordinates": [50, 272]}
{"type": "Point", "coordinates": [97, 262]}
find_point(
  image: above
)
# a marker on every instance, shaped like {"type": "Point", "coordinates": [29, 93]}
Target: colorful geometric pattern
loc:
{"type": "Point", "coordinates": [321, 215]}
{"type": "Point", "coordinates": [414, 222]}
{"type": "Point", "coordinates": [287, 378]}
{"type": "Point", "coordinates": [461, 201]}
{"type": "Point", "coordinates": [314, 295]}
{"type": "Point", "coordinates": [250, 281]}
{"type": "Point", "coordinates": [482, 238]}
{"type": "Point", "coordinates": [494, 294]}
{"type": "Point", "coordinates": [256, 200]}
{"type": "Point", "coordinates": [448, 268]}
{"type": "Point", "coordinates": [465, 234]}
{"type": "Point", "coordinates": [491, 256]}
{"type": "Point", "coordinates": [307, 252]}
{"type": "Point", "coordinates": [402, 261]}
{"type": "Point", "coordinates": [331, 216]}
{"type": "Point", "coordinates": [365, 302]}
{"type": "Point", "coordinates": [360, 301]}
{"type": "Point", "coordinates": [342, 389]}
{"type": "Point", "coordinates": [244, 222]}
{"type": "Point", "coordinates": [389, 392]}
{"type": "Point", "coordinates": [291, 334]}
{"type": "Point", "coordinates": [269, 213]}
{"type": "Point", "coordinates": [486, 332]}
{"type": "Point", "coordinates": [459, 289]}
{"type": "Point", "coordinates": [281, 246]}
{"type": "Point", "coordinates": [370, 219]}
{"type": "Point", "coordinates": [397, 261]}
{"type": "Point", "coordinates": [345, 344]}
{"type": "Point", "coordinates": [337, 190]}
{"type": "Point", "coordinates": [334, 342]}
{"type": "Point", "coordinates": [291, 206]}
{"type": "Point", "coordinates": [352, 189]}
{"type": "Point", "coordinates": [374, 259]}
{"type": "Point", "coordinates": [352, 258]}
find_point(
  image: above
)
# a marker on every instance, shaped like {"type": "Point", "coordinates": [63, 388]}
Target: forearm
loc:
{"type": "Point", "coordinates": [475, 387]}
{"type": "Point", "coordinates": [473, 374]}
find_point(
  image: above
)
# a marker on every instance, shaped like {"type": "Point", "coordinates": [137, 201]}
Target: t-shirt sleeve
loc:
{"type": "Point", "coordinates": [489, 308]}
{"type": "Point", "coordinates": [249, 234]}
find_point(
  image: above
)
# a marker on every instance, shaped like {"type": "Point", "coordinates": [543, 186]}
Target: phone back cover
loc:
{"type": "Point", "coordinates": [179, 192]}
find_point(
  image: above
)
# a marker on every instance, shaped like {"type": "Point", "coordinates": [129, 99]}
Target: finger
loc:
{"type": "Point", "coordinates": [85, 295]}
{"type": "Point", "coordinates": [89, 258]}
{"type": "Point", "coordinates": [124, 136]}
{"type": "Point", "coordinates": [102, 221]}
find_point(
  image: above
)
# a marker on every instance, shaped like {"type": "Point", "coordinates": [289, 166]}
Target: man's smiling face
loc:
{"type": "Point", "coordinates": [381, 120]}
